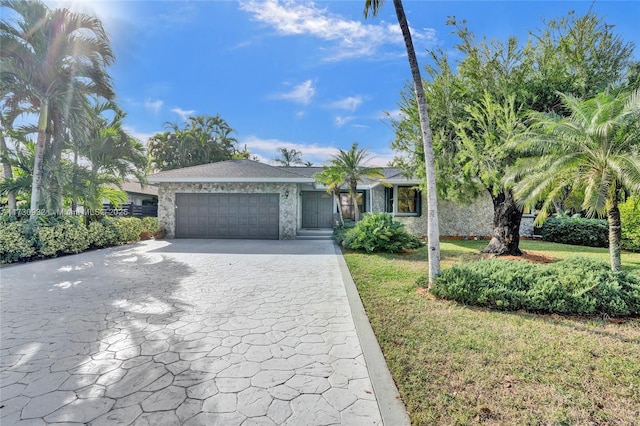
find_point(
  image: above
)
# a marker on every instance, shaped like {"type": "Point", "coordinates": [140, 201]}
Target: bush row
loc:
{"type": "Point", "coordinates": [630, 217]}
{"type": "Point", "coordinates": [572, 286]}
{"type": "Point", "coordinates": [55, 236]}
{"type": "Point", "coordinates": [595, 232]}
{"type": "Point", "coordinates": [377, 232]}
{"type": "Point", "coordinates": [577, 231]}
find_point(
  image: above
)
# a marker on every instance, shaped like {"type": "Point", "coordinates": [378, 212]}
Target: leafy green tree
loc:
{"type": "Point", "coordinates": [578, 55]}
{"type": "Point", "coordinates": [433, 232]}
{"type": "Point", "coordinates": [204, 139]}
{"type": "Point", "coordinates": [288, 157]}
{"type": "Point", "coordinates": [46, 55]}
{"type": "Point", "coordinates": [594, 151]}
{"type": "Point", "coordinates": [478, 105]}
{"type": "Point", "coordinates": [351, 167]}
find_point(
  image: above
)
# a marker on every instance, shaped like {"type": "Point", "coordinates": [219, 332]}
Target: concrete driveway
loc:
{"type": "Point", "coordinates": [194, 332]}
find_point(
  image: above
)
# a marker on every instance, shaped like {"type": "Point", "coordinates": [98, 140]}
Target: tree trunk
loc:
{"type": "Point", "coordinates": [37, 164]}
{"type": "Point", "coordinates": [354, 200]}
{"type": "Point", "coordinates": [615, 235]}
{"type": "Point", "coordinates": [506, 226]}
{"type": "Point", "coordinates": [433, 227]}
{"type": "Point", "coordinates": [57, 145]}
{"type": "Point", "coordinates": [8, 173]}
{"type": "Point", "coordinates": [336, 194]}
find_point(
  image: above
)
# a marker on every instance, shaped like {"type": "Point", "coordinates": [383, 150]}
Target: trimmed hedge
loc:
{"type": "Point", "coordinates": [573, 286]}
{"type": "Point", "coordinates": [576, 231]}
{"type": "Point", "coordinates": [15, 243]}
{"type": "Point", "coordinates": [379, 232]}
{"type": "Point", "coordinates": [55, 236]}
{"type": "Point", "coordinates": [630, 218]}
{"type": "Point", "coordinates": [68, 235]}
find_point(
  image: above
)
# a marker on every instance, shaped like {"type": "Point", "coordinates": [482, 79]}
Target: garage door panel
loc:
{"type": "Point", "coordinates": [227, 216]}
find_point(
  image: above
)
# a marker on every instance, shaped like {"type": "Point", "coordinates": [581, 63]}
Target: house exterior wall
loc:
{"type": "Point", "coordinates": [288, 204]}
{"type": "Point", "coordinates": [455, 220]}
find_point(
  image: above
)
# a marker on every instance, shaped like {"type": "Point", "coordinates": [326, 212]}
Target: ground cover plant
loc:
{"type": "Point", "coordinates": [455, 364]}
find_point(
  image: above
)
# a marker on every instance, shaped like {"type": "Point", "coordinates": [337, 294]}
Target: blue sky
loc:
{"type": "Point", "coordinates": [314, 76]}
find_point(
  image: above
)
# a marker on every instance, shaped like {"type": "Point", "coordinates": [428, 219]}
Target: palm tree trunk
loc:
{"type": "Point", "coordinates": [336, 194]}
{"type": "Point", "coordinates": [615, 235]}
{"type": "Point", "coordinates": [433, 227]}
{"type": "Point", "coordinates": [37, 164]}
{"type": "Point", "coordinates": [8, 173]}
{"type": "Point", "coordinates": [507, 216]}
{"type": "Point", "coordinates": [354, 201]}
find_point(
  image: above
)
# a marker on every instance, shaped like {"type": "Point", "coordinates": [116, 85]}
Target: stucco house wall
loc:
{"type": "Point", "coordinates": [455, 220]}
{"type": "Point", "coordinates": [288, 204]}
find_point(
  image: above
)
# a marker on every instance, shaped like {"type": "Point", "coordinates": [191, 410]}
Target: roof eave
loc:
{"type": "Point", "coordinates": [229, 180]}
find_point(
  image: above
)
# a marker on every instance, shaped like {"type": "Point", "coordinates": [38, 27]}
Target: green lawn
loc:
{"type": "Point", "coordinates": [461, 365]}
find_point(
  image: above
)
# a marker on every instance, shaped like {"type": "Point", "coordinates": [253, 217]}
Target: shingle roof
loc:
{"type": "Point", "coordinates": [253, 171]}
{"type": "Point", "coordinates": [230, 171]}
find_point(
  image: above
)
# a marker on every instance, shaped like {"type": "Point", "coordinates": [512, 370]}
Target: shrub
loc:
{"type": "Point", "coordinates": [572, 286]}
{"type": "Point", "coordinates": [340, 231]}
{"type": "Point", "coordinates": [378, 232]}
{"type": "Point", "coordinates": [630, 217]}
{"type": "Point", "coordinates": [150, 224]}
{"type": "Point", "coordinates": [15, 243]}
{"type": "Point", "coordinates": [63, 235]}
{"type": "Point", "coordinates": [128, 228]}
{"type": "Point", "coordinates": [103, 233]}
{"type": "Point", "coordinates": [576, 231]}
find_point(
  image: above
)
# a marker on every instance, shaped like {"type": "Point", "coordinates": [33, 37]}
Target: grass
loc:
{"type": "Point", "coordinates": [462, 365]}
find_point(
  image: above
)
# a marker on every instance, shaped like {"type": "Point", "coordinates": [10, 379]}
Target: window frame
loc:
{"type": "Point", "coordinates": [391, 201]}
{"type": "Point", "coordinates": [364, 203]}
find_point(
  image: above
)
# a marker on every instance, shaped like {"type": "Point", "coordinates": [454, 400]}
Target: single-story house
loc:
{"type": "Point", "coordinates": [248, 199]}
{"type": "Point", "coordinates": [138, 194]}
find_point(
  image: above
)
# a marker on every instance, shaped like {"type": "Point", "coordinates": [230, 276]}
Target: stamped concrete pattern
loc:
{"type": "Point", "coordinates": [183, 332]}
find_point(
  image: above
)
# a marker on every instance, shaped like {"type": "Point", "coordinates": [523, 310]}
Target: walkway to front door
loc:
{"type": "Point", "coordinates": [317, 209]}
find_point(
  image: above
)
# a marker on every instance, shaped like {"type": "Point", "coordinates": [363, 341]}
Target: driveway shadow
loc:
{"type": "Point", "coordinates": [71, 326]}
{"type": "Point", "coordinates": [257, 247]}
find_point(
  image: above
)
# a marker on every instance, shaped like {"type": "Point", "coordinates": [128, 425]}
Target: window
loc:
{"type": "Point", "coordinates": [346, 205]}
{"type": "Point", "coordinates": [403, 200]}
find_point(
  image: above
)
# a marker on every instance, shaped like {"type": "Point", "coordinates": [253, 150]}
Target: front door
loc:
{"type": "Point", "coordinates": [317, 209]}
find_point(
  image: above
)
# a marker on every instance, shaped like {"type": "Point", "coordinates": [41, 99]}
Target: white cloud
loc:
{"type": "Point", "coordinates": [348, 38]}
{"type": "Point", "coordinates": [153, 106]}
{"type": "Point", "coordinates": [350, 103]}
{"type": "Point", "coordinates": [184, 114]}
{"type": "Point", "coordinates": [300, 94]}
{"type": "Point", "coordinates": [141, 136]}
{"type": "Point", "coordinates": [267, 149]}
{"type": "Point", "coordinates": [341, 121]}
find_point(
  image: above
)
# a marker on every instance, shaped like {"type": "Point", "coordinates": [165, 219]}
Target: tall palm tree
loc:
{"type": "Point", "coordinates": [433, 231]}
{"type": "Point", "coordinates": [351, 165]}
{"type": "Point", "coordinates": [49, 54]}
{"type": "Point", "coordinates": [288, 157]}
{"type": "Point", "coordinates": [593, 153]}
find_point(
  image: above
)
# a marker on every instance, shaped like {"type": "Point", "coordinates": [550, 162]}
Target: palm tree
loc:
{"type": "Point", "coordinates": [111, 152]}
{"type": "Point", "coordinates": [433, 232]}
{"type": "Point", "coordinates": [593, 153]}
{"type": "Point", "coordinates": [288, 157]}
{"type": "Point", "coordinates": [48, 55]}
{"type": "Point", "coordinates": [333, 177]}
{"type": "Point", "coordinates": [351, 166]}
